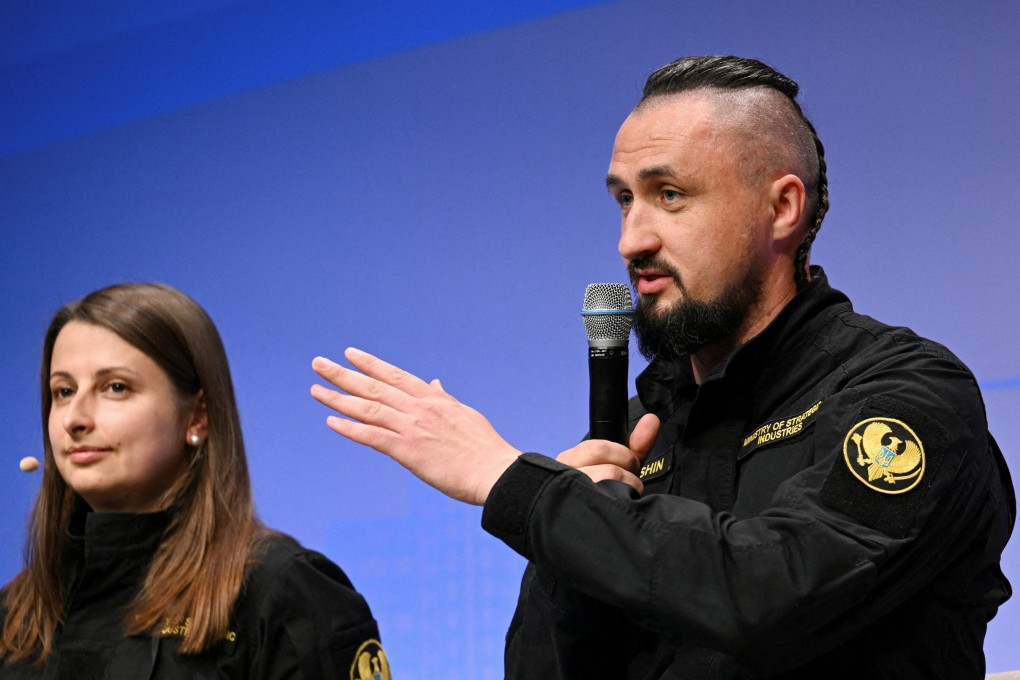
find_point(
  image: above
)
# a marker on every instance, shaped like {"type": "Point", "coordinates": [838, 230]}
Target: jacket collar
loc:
{"type": "Point", "coordinates": [663, 382]}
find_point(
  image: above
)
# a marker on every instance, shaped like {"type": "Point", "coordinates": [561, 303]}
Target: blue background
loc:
{"type": "Point", "coordinates": [424, 180]}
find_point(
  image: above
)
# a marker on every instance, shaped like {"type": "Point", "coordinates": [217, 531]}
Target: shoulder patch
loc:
{"type": "Point", "coordinates": [874, 478]}
{"type": "Point", "coordinates": [370, 662]}
{"type": "Point", "coordinates": [885, 455]}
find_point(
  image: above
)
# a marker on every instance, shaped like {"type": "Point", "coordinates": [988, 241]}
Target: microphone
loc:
{"type": "Point", "coordinates": [607, 313]}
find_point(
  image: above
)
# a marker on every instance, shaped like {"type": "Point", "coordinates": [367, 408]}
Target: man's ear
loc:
{"type": "Point", "coordinates": [788, 199]}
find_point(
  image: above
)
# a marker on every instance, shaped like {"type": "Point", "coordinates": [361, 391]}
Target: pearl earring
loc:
{"type": "Point", "coordinates": [195, 440]}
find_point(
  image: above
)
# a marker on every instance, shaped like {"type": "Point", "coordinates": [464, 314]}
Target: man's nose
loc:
{"type": "Point", "coordinates": [639, 235]}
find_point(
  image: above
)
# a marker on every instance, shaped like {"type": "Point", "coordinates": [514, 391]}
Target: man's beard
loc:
{"type": "Point", "coordinates": [689, 325]}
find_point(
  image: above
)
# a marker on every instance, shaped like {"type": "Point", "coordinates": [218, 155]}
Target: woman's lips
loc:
{"type": "Point", "coordinates": [84, 456]}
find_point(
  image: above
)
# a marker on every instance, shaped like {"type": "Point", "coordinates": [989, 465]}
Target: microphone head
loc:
{"type": "Point", "coordinates": [607, 312]}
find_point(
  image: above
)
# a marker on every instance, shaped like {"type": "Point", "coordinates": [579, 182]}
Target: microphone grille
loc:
{"type": "Point", "coordinates": [607, 311]}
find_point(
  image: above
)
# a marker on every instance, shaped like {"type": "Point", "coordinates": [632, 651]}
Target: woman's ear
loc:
{"type": "Point", "coordinates": [198, 420]}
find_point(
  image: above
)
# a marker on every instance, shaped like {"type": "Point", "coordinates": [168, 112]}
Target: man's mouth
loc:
{"type": "Point", "coordinates": [650, 281]}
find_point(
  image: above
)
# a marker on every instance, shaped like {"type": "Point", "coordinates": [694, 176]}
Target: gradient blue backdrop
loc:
{"type": "Point", "coordinates": [424, 180]}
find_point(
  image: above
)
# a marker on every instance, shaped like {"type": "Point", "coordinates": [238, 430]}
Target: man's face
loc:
{"type": "Point", "coordinates": [695, 229]}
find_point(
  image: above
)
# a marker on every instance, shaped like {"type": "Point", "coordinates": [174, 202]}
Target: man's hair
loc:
{"type": "Point", "coordinates": [786, 125]}
{"type": "Point", "coordinates": [204, 553]}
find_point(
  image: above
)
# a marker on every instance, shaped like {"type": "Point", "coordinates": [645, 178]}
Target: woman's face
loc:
{"type": "Point", "coordinates": [117, 427]}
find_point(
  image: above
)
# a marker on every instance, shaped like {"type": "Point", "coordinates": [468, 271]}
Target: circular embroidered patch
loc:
{"type": "Point", "coordinates": [370, 662]}
{"type": "Point", "coordinates": [885, 455]}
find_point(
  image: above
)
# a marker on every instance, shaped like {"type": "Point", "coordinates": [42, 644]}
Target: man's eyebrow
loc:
{"type": "Point", "coordinates": [612, 181]}
{"type": "Point", "coordinates": [657, 171]}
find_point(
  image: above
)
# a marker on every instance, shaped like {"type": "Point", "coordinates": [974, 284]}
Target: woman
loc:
{"type": "Point", "coordinates": [144, 555]}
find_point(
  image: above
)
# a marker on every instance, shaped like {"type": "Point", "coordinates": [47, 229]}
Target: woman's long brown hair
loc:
{"type": "Point", "coordinates": [199, 568]}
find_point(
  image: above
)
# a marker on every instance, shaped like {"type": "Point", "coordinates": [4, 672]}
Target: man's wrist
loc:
{"type": "Point", "coordinates": [508, 509]}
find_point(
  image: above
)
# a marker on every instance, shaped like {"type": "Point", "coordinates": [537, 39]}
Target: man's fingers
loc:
{"type": "Point", "coordinates": [378, 438]}
{"type": "Point", "coordinates": [387, 373]}
{"type": "Point", "coordinates": [447, 444]}
{"type": "Point", "coordinates": [334, 373]}
{"type": "Point", "coordinates": [602, 460]}
{"type": "Point", "coordinates": [364, 410]}
{"type": "Point", "coordinates": [642, 439]}
{"type": "Point", "coordinates": [595, 452]}
{"type": "Point", "coordinates": [360, 385]}
{"type": "Point", "coordinates": [601, 473]}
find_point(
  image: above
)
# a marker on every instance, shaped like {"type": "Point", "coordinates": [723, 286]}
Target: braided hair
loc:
{"type": "Point", "coordinates": [738, 73]}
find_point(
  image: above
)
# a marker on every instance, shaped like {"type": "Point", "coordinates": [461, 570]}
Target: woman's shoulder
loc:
{"type": "Point", "coordinates": [279, 556]}
{"type": "Point", "coordinates": [306, 609]}
{"type": "Point", "coordinates": [287, 580]}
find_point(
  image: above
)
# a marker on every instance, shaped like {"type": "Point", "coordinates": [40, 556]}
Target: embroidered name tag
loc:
{"type": "Point", "coordinates": [658, 466]}
{"type": "Point", "coordinates": [778, 430]}
{"type": "Point", "coordinates": [181, 630]}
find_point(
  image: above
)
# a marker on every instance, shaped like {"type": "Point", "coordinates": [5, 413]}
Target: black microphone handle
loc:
{"type": "Point", "coordinates": [607, 400]}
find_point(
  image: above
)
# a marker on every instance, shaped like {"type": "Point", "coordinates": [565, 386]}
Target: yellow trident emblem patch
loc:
{"type": "Point", "coordinates": [884, 454]}
{"type": "Point", "coordinates": [370, 662]}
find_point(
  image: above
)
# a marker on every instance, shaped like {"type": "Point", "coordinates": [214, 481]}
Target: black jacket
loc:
{"type": "Point", "coordinates": [298, 615]}
{"type": "Point", "coordinates": [827, 504]}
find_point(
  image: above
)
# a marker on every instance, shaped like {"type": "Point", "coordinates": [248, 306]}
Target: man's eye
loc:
{"type": "Point", "coordinates": [671, 195]}
{"type": "Point", "coordinates": [625, 200]}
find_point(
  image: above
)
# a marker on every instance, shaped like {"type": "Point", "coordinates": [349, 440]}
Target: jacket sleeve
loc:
{"type": "Point", "coordinates": [309, 621]}
{"type": "Point", "coordinates": [829, 555]}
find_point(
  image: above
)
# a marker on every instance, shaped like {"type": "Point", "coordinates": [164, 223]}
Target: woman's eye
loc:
{"type": "Point", "coordinates": [118, 388]}
{"type": "Point", "coordinates": [62, 392]}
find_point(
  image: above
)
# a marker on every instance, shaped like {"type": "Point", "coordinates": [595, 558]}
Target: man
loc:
{"type": "Point", "coordinates": [807, 493]}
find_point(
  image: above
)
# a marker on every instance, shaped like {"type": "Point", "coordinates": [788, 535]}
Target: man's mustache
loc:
{"type": "Point", "coordinates": [654, 263]}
